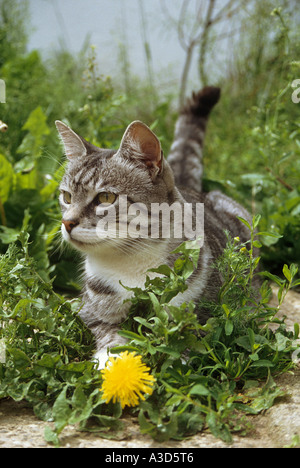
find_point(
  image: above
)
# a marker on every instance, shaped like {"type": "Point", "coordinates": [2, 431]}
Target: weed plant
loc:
{"type": "Point", "coordinates": [206, 375]}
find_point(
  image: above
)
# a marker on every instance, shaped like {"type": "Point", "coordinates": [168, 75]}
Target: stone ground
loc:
{"type": "Point", "coordinates": [277, 427]}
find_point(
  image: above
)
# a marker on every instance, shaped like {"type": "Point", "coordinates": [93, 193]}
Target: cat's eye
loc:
{"type": "Point", "coordinates": [105, 198]}
{"type": "Point", "coordinates": [67, 197]}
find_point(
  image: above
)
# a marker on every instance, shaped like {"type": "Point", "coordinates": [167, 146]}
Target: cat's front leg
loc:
{"type": "Point", "coordinates": [107, 337]}
{"type": "Point", "coordinates": [103, 314]}
{"type": "Point", "coordinates": [101, 358]}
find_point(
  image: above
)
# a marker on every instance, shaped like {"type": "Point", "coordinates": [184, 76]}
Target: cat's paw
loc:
{"type": "Point", "coordinates": [101, 357]}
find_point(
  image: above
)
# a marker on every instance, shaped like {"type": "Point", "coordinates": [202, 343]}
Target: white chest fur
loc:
{"type": "Point", "coordinates": [130, 270]}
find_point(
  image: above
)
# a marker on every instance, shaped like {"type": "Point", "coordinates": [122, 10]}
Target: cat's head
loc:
{"type": "Point", "coordinates": [100, 183]}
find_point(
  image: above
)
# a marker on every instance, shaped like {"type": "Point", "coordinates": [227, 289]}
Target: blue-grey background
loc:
{"type": "Point", "coordinates": [107, 23]}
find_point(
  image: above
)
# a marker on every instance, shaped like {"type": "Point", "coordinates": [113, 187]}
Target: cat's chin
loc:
{"type": "Point", "coordinates": [101, 248]}
{"type": "Point", "coordinates": [88, 247]}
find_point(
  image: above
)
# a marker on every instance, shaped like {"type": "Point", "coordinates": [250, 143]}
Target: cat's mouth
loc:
{"type": "Point", "coordinates": [72, 237]}
{"type": "Point", "coordinates": [85, 242]}
{"type": "Point", "coordinates": [87, 246]}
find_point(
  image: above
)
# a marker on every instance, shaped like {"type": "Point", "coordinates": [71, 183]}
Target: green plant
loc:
{"type": "Point", "coordinates": [45, 347]}
{"type": "Point", "coordinates": [206, 375]}
{"type": "Point", "coordinates": [228, 358]}
{"type": "Point", "coordinates": [258, 147]}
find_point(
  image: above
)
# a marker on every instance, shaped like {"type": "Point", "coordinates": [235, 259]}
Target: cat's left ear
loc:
{"type": "Point", "coordinates": [140, 144]}
{"type": "Point", "coordinates": [74, 146]}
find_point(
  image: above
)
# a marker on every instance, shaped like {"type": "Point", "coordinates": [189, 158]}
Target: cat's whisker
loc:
{"type": "Point", "coordinates": [51, 156]}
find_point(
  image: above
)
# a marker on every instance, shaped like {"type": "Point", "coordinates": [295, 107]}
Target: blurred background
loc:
{"type": "Point", "coordinates": [99, 64]}
{"type": "Point", "coordinates": [148, 39]}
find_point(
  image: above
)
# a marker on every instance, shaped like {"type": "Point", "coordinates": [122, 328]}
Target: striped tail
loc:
{"type": "Point", "coordinates": [185, 156]}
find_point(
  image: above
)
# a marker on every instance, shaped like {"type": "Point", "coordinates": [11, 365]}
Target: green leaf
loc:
{"type": "Point", "coordinates": [6, 178]}
{"type": "Point", "coordinates": [251, 337]}
{"type": "Point", "coordinates": [146, 427]}
{"type": "Point", "coordinates": [162, 270]}
{"type": "Point", "coordinates": [8, 235]}
{"type": "Point", "coordinates": [287, 273]}
{"type": "Point", "coordinates": [228, 327]}
{"type": "Point", "coordinates": [274, 278]}
{"type": "Point", "coordinates": [49, 361]}
{"type": "Point", "coordinates": [226, 309]}
{"type": "Point", "coordinates": [82, 406]}
{"type": "Point", "coordinates": [120, 349]}
{"type": "Point", "coordinates": [244, 222]}
{"type": "Point", "coordinates": [263, 363]}
{"type": "Point", "coordinates": [200, 390]}
{"type": "Point", "coordinates": [61, 410]}
{"type": "Point", "coordinates": [294, 270]}
{"type": "Point", "coordinates": [218, 428]}
{"type": "Point", "coordinates": [269, 234]}
{"type": "Point", "coordinates": [36, 123]}
{"type": "Point", "coordinates": [257, 244]}
{"type": "Point", "coordinates": [296, 331]}
{"type": "Point", "coordinates": [20, 358]}
{"type": "Point", "coordinates": [155, 302]}
{"type": "Point", "coordinates": [167, 350]}
{"type": "Point", "coordinates": [281, 342]}
{"type": "Point", "coordinates": [244, 342]}
{"type": "Point", "coordinates": [51, 436]}
{"type": "Point", "coordinates": [266, 398]}
{"type": "Point", "coordinates": [143, 322]}
{"type": "Point", "coordinates": [131, 335]}
{"type": "Point", "coordinates": [256, 220]}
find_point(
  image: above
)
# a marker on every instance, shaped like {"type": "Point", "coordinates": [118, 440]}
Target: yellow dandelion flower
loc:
{"type": "Point", "coordinates": [125, 379]}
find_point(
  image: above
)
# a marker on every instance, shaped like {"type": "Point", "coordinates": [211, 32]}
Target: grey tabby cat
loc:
{"type": "Point", "coordinates": [93, 185]}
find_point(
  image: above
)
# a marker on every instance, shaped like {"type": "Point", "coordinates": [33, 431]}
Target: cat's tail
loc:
{"type": "Point", "coordinates": [185, 156]}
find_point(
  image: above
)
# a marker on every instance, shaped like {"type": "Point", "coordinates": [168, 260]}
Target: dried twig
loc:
{"type": "Point", "coordinates": [197, 34]}
{"type": "Point", "coordinates": [280, 180]}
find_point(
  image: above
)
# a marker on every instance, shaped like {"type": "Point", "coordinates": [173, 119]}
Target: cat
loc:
{"type": "Point", "coordinates": [95, 184]}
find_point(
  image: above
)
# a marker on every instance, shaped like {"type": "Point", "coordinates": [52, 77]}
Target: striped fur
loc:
{"type": "Point", "coordinates": [138, 170]}
{"type": "Point", "coordinates": [185, 156]}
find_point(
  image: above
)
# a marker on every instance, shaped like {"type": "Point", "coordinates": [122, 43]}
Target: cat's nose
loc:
{"type": "Point", "coordinates": [69, 224]}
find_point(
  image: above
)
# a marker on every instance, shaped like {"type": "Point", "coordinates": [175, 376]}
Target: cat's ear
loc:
{"type": "Point", "coordinates": [74, 146]}
{"type": "Point", "coordinates": [140, 144]}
